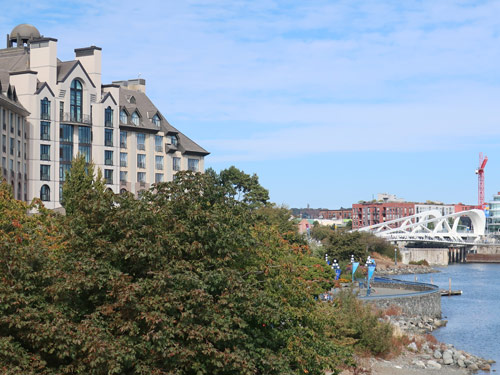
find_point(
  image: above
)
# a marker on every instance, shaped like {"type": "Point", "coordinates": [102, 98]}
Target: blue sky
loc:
{"type": "Point", "coordinates": [329, 102]}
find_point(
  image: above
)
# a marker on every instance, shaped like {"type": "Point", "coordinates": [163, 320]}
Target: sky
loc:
{"type": "Point", "coordinates": [328, 102]}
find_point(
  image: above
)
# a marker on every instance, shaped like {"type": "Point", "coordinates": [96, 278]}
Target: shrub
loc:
{"type": "Point", "coordinates": [362, 325]}
{"type": "Point", "coordinates": [422, 262]}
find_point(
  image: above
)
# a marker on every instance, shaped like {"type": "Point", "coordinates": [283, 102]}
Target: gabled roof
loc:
{"type": "Point", "coordinates": [147, 110]}
{"type": "Point", "coordinates": [108, 95]}
{"type": "Point", "coordinates": [12, 60]}
{"type": "Point", "coordinates": [65, 68]}
{"type": "Point", "coordinates": [41, 85]}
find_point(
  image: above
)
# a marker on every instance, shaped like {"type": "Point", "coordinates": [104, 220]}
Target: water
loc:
{"type": "Point", "coordinates": [474, 317]}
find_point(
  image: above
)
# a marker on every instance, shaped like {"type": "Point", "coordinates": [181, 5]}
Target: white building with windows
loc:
{"type": "Point", "coordinates": [65, 111]}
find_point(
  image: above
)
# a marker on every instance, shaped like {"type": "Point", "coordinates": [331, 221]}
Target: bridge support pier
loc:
{"type": "Point", "coordinates": [457, 255]}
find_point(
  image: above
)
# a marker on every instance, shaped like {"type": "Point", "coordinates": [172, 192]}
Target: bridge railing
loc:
{"type": "Point", "coordinates": [418, 288]}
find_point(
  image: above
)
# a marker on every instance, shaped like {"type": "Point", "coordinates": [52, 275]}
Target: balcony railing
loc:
{"type": "Point", "coordinates": [45, 116]}
{"type": "Point", "coordinates": [109, 180]}
{"type": "Point", "coordinates": [108, 124]}
{"type": "Point", "coordinates": [159, 166]}
{"type": "Point", "coordinates": [108, 142]}
{"type": "Point", "coordinates": [142, 183]}
{"type": "Point", "coordinates": [108, 162]}
{"type": "Point", "coordinates": [45, 157]}
{"type": "Point", "coordinates": [123, 144]}
{"type": "Point", "coordinates": [159, 149]}
{"type": "Point", "coordinates": [141, 165]}
{"type": "Point", "coordinates": [45, 177]}
{"type": "Point", "coordinates": [80, 119]}
{"type": "Point", "coordinates": [123, 163]}
{"type": "Point", "coordinates": [141, 146]}
{"type": "Point", "coordinates": [123, 182]}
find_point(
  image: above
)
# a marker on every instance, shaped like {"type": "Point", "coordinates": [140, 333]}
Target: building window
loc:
{"type": "Point", "coordinates": [61, 111]}
{"type": "Point", "coordinates": [65, 152]}
{"type": "Point", "coordinates": [158, 143]}
{"type": "Point", "coordinates": [158, 177]}
{"type": "Point", "coordinates": [135, 118]}
{"type": "Point", "coordinates": [4, 143]}
{"type": "Point", "coordinates": [45, 109]}
{"type": "Point", "coordinates": [108, 137]}
{"type": "Point", "coordinates": [45, 193]}
{"type": "Point", "coordinates": [123, 159]}
{"type": "Point", "coordinates": [44, 152]}
{"type": "Point", "coordinates": [123, 139]}
{"type": "Point", "coordinates": [86, 152]}
{"type": "Point", "coordinates": [45, 172]}
{"type": "Point", "coordinates": [159, 162]}
{"type": "Point", "coordinates": [123, 176]}
{"type": "Point", "coordinates": [108, 157]}
{"type": "Point", "coordinates": [18, 149]}
{"type": "Point", "coordinates": [123, 117]}
{"type": "Point", "coordinates": [141, 161]}
{"type": "Point", "coordinates": [156, 120]}
{"type": "Point", "coordinates": [12, 146]}
{"type": "Point", "coordinates": [141, 177]}
{"type": "Point", "coordinates": [108, 176]}
{"type": "Point", "coordinates": [176, 166]}
{"type": "Point", "coordinates": [108, 117]}
{"type": "Point", "coordinates": [76, 95]}
{"type": "Point", "coordinates": [141, 139]}
{"type": "Point", "coordinates": [63, 171]}
{"type": "Point", "coordinates": [132, 100]}
{"type": "Point", "coordinates": [66, 133]}
{"type": "Point", "coordinates": [84, 135]}
{"type": "Point", "coordinates": [193, 165]}
{"type": "Point", "coordinates": [173, 140]}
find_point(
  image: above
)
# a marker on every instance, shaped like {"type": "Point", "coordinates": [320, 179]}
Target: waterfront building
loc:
{"type": "Point", "coordinates": [13, 142]}
{"type": "Point", "coordinates": [371, 213]}
{"type": "Point", "coordinates": [64, 110]}
{"type": "Point", "coordinates": [341, 213]}
{"type": "Point", "coordinates": [493, 215]}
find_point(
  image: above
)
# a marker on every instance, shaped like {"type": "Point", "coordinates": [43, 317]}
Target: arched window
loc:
{"type": "Point", "coordinates": [135, 118]}
{"type": "Point", "coordinates": [45, 109]}
{"type": "Point", "coordinates": [123, 191]}
{"type": "Point", "coordinates": [45, 193]}
{"type": "Point", "coordinates": [76, 101]}
{"type": "Point", "coordinates": [132, 100]}
{"type": "Point", "coordinates": [123, 117]}
{"type": "Point", "coordinates": [156, 120]}
{"type": "Point", "coordinates": [108, 117]}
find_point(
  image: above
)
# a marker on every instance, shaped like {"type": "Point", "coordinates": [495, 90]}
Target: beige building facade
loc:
{"type": "Point", "coordinates": [65, 110]}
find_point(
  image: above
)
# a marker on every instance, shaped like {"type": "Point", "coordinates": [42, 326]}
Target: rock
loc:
{"type": "Point", "coordinates": [485, 367]}
{"type": "Point", "coordinates": [419, 364]}
{"type": "Point", "coordinates": [425, 356]}
{"type": "Point", "coordinates": [447, 357]}
{"type": "Point", "coordinates": [461, 363]}
{"type": "Point", "coordinates": [473, 367]}
{"type": "Point", "coordinates": [433, 365]}
{"type": "Point", "coordinates": [437, 354]}
{"type": "Point", "coordinates": [413, 347]}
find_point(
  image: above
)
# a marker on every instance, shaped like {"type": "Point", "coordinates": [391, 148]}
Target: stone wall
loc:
{"type": "Point", "coordinates": [417, 304]}
{"type": "Point", "coordinates": [438, 257]}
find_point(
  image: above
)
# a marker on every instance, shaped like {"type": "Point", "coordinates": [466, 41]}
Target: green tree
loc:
{"type": "Point", "coordinates": [244, 187]}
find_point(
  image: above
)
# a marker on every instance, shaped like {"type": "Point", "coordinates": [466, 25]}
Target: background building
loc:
{"type": "Point", "coordinates": [68, 111]}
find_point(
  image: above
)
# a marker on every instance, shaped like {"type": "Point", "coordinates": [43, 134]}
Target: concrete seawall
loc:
{"type": "Point", "coordinates": [415, 299]}
{"type": "Point", "coordinates": [436, 257]}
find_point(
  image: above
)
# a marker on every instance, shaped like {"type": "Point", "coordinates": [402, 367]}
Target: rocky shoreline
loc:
{"type": "Point", "coordinates": [423, 354]}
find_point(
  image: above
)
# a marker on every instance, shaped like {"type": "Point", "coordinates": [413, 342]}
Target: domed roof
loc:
{"type": "Point", "coordinates": [25, 31]}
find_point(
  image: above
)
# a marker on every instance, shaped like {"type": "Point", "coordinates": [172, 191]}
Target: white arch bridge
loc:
{"type": "Point", "coordinates": [433, 227]}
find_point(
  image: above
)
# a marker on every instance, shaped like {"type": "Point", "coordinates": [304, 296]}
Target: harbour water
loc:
{"type": "Point", "coordinates": [474, 317]}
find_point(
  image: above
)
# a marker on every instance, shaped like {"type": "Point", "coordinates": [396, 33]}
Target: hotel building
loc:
{"type": "Point", "coordinates": [53, 110]}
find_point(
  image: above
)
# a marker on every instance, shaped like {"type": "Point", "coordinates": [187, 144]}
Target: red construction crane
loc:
{"type": "Point", "coordinates": [480, 179]}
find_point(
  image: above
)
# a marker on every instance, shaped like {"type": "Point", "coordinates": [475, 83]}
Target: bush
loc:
{"type": "Point", "coordinates": [422, 262]}
{"type": "Point", "coordinates": [361, 324]}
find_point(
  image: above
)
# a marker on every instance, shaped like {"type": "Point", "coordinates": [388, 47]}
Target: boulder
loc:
{"type": "Point", "coordinates": [413, 347]}
{"type": "Point", "coordinates": [437, 354]}
{"type": "Point", "coordinates": [433, 365]}
{"type": "Point", "coordinates": [447, 357]}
